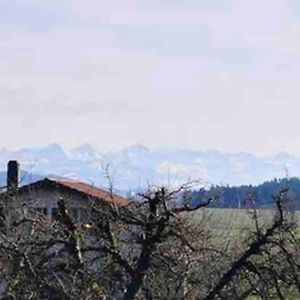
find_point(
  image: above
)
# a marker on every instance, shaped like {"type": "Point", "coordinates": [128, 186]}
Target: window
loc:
{"type": "Point", "coordinates": [45, 211]}
{"type": "Point", "coordinates": [83, 215]}
{"type": "Point", "coordinates": [74, 214]}
{"type": "Point", "coordinates": [42, 210]}
{"type": "Point", "coordinates": [54, 213]}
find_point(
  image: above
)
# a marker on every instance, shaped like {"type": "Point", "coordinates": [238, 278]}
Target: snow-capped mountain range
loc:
{"type": "Point", "coordinates": [137, 166]}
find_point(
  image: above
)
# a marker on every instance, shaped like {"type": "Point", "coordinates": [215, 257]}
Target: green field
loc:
{"type": "Point", "coordinates": [218, 218]}
{"type": "Point", "coordinates": [235, 224]}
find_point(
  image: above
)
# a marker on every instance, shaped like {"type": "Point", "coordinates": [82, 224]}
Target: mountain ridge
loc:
{"type": "Point", "coordinates": [137, 166]}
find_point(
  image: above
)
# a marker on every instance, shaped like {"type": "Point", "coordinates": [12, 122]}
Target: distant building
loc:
{"type": "Point", "coordinates": [42, 196]}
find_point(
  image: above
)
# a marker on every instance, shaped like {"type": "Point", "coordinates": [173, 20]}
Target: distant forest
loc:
{"type": "Point", "coordinates": [244, 196]}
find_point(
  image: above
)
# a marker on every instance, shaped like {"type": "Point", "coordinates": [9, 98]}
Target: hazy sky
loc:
{"type": "Point", "coordinates": [214, 74]}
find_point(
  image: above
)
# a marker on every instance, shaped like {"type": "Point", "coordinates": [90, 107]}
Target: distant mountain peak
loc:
{"type": "Point", "coordinates": [283, 155]}
{"type": "Point", "coordinates": [53, 147]}
{"type": "Point", "coordinates": [137, 148]}
{"type": "Point", "coordinates": [139, 166]}
{"type": "Point", "coordinates": [86, 147]}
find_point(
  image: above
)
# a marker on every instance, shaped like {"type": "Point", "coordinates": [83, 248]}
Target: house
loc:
{"type": "Point", "coordinates": [25, 220]}
{"type": "Point", "coordinates": [42, 196]}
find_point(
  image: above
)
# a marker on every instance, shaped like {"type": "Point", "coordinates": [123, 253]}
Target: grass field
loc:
{"type": "Point", "coordinates": [238, 219]}
{"type": "Point", "coordinates": [234, 225]}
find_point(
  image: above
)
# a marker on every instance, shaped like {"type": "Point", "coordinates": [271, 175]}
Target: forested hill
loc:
{"type": "Point", "coordinates": [235, 197]}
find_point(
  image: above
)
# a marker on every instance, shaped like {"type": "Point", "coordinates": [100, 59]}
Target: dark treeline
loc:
{"type": "Point", "coordinates": [246, 195]}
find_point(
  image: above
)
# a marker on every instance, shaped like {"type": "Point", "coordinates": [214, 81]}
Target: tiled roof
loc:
{"type": "Point", "coordinates": [90, 191]}
{"type": "Point", "coordinates": [83, 188]}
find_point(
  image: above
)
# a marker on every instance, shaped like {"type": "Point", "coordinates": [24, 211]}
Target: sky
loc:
{"type": "Point", "coordinates": [213, 74]}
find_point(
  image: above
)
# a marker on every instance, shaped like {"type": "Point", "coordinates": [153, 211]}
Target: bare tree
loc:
{"type": "Point", "coordinates": [149, 249]}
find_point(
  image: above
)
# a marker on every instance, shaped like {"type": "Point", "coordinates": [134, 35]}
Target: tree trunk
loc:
{"type": "Point", "coordinates": [137, 278]}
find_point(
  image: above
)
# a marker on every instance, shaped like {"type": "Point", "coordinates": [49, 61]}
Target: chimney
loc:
{"type": "Point", "coordinates": [12, 175]}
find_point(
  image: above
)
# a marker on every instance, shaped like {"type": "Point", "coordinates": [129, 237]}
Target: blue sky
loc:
{"type": "Point", "coordinates": [197, 74]}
